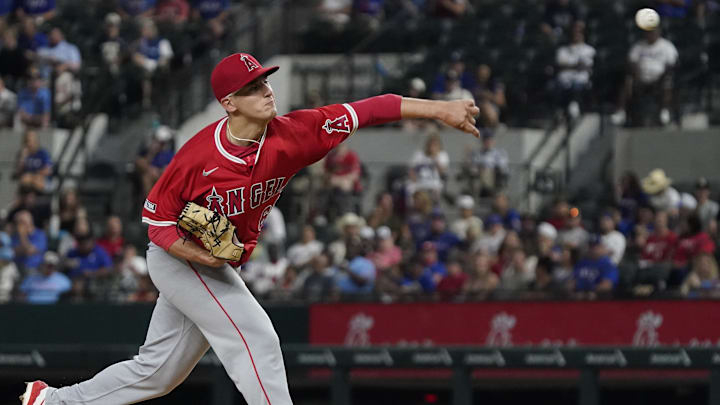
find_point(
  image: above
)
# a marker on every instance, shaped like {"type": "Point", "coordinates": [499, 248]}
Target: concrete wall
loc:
{"type": "Point", "coordinates": [684, 156]}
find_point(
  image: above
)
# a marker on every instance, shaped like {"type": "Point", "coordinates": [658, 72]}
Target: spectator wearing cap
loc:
{"type": "Point", "coordinates": [574, 234]}
{"type": "Point", "coordinates": [443, 240]}
{"type": "Point", "coordinates": [453, 283]}
{"type": "Point", "coordinates": [510, 217]}
{"type": "Point", "coordinates": [657, 252]}
{"type": "Point", "coordinates": [468, 221]}
{"type": "Point", "coordinates": [457, 67]}
{"type": "Point", "coordinates": [691, 243]}
{"type": "Point", "coordinates": [152, 53]}
{"type": "Point", "coordinates": [112, 46]}
{"type": "Point", "coordinates": [546, 237]}
{"type": "Point", "coordinates": [481, 280]}
{"type": "Point", "coordinates": [29, 243]}
{"type": "Point", "coordinates": [34, 102]}
{"type": "Point", "coordinates": [492, 237]}
{"type": "Point", "coordinates": [47, 286]}
{"type": "Point", "coordinates": [349, 226]}
{"type": "Point", "coordinates": [33, 166]}
{"type": "Point", "coordinates": [663, 197]}
{"type": "Point", "coordinates": [613, 241]}
{"type": "Point", "coordinates": [303, 251]}
{"type": "Point", "coordinates": [88, 260]}
{"type": "Point", "coordinates": [428, 168]}
{"type": "Point", "coordinates": [707, 209]}
{"type": "Point", "coordinates": [357, 276]}
{"type": "Point", "coordinates": [387, 255]}
{"type": "Point", "coordinates": [490, 96]}
{"type": "Point", "coordinates": [485, 169]}
{"type": "Point", "coordinates": [596, 272]}
{"type": "Point", "coordinates": [154, 157]}
{"type": "Point", "coordinates": [112, 240]}
{"type": "Point", "coordinates": [9, 274]}
{"type": "Point", "coordinates": [342, 174]}
{"type": "Point", "coordinates": [517, 274]}
{"type": "Point", "coordinates": [8, 105]}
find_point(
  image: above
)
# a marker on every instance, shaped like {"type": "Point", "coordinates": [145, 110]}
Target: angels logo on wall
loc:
{"type": "Point", "coordinates": [646, 333]}
{"type": "Point", "coordinates": [500, 327]}
{"type": "Point", "coordinates": [358, 330]}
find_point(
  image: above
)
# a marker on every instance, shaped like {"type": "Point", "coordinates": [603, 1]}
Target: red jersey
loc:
{"type": "Point", "coordinates": [691, 246]}
{"type": "Point", "coordinates": [659, 248]}
{"type": "Point", "coordinates": [246, 188]}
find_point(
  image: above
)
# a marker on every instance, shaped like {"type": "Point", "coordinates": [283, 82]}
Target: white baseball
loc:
{"type": "Point", "coordinates": [647, 19]}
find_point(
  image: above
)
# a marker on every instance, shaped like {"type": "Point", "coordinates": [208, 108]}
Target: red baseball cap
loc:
{"type": "Point", "coordinates": [234, 72]}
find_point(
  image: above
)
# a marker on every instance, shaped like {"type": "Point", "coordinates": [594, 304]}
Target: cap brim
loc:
{"type": "Point", "coordinates": [260, 72]}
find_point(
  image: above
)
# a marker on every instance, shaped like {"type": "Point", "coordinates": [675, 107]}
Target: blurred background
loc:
{"type": "Point", "coordinates": [585, 215]}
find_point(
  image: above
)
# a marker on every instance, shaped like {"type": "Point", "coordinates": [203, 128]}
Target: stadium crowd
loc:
{"type": "Point", "coordinates": [421, 240]}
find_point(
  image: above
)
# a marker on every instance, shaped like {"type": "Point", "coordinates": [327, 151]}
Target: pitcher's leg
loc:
{"type": "Point", "coordinates": [172, 348]}
{"type": "Point", "coordinates": [239, 331]}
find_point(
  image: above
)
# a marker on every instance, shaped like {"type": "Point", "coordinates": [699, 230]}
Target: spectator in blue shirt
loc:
{"type": "Point", "coordinates": [34, 102]}
{"type": "Point", "coordinates": [212, 14]}
{"type": "Point", "coordinates": [39, 10]}
{"type": "Point", "coordinates": [46, 286]}
{"type": "Point", "coordinates": [28, 242]}
{"type": "Point", "coordinates": [153, 158]}
{"type": "Point", "coordinates": [30, 39]}
{"type": "Point", "coordinates": [417, 279]}
{"type": "Point", "coordinates": [596, 272]}
{"type": "Point", "coordinates": [87, 259]}
{"type": "Point", "coordinates": [429, 256]}
{"type": "Point", "coordinates": [510, 218]}
{"type": "Point", "coordinates": [443, 241]}
{"type": "Point", "coordinates": [358, 276]}
{"type": "Point", "coordinates": [60, 54]}
{"type": "Point", "coordinates": [33, 166]}
{"type": "Point", "coordinates": [152, 53]}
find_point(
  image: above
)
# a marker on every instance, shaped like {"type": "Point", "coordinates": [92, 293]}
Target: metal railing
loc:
{"type": "Point", "coordinates": [35, 361]}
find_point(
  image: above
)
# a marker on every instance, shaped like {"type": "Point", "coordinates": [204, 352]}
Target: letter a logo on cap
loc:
{"type": "Point", "coordinates": [249, 64]}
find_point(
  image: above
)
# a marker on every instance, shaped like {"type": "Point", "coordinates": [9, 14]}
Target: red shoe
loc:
{"type": "Point", "coordinates": [34, 393]}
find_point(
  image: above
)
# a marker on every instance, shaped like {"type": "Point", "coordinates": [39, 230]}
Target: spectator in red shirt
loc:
{"type": "Point", "coordinates": [657, 250]}
{"type": "Point", "coordinates": [693, 242]}
{"type": "Point", "coordinates": [112, 241]}
{"type": "Point", "coordinates": [453, 283]}
{"type": "Point", "coordinates": [342, 170]}
{"type": "Point", "coordinates": [560, 213]}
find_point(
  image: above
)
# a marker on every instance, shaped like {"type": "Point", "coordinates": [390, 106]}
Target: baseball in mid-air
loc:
{"type": "Point", "coordinates": [647, 19]}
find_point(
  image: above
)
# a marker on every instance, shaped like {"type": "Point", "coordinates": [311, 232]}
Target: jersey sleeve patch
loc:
{"type": "Point", "coordinates": [150, 206]}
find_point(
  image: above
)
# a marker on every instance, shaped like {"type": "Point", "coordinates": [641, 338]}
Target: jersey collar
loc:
{"type": "Point", "coordinates": [228, 155]}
